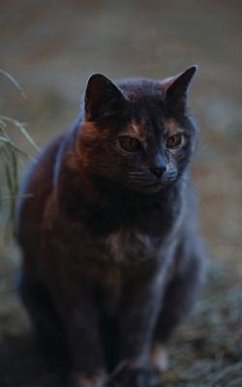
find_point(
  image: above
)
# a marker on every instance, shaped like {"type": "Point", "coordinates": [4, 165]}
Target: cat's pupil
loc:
{"type": "Point", "coordinates": [174, 141]}
{"type": "Point", "coordinates": [129, 143]}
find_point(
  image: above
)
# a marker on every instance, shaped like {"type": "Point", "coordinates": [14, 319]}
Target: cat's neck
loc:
{"type": "Point", "coordinates": [103, 213]}
{"type": "Point", "coordinates": [104, 206]}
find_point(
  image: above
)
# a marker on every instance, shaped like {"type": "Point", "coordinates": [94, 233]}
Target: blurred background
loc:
{"type": "Point", "coordinates": [51, 47]}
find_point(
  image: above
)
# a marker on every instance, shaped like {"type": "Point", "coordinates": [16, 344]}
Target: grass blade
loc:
{"type": "Point", "coordinates": [13, 81]}
{"type": "Point", "coordinates": [22, 129]}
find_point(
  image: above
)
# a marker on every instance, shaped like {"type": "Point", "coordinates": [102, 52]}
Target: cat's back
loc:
{"type": "Point", "coordinates": [35, 189]}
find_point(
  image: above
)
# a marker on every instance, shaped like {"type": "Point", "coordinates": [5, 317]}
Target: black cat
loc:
{"type": "Point", "coordinates": [112, 259]}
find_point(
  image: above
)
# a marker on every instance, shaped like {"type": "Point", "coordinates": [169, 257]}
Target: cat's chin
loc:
{"type": "Point", "coordinates": [153, 188]}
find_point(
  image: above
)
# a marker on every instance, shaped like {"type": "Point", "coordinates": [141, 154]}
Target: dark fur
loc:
{"type": "Point", "coordinates": [111, 253]}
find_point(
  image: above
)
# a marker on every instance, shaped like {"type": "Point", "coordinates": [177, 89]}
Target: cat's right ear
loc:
{"type": "Point", "coordinates": [176, 88]}
{"type": "Point", "coordinates": [102, 98]}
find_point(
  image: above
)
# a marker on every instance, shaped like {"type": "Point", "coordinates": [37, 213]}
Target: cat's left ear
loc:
{"type": "Point", "coordinates": [102, 98]}
{"type": "Point", "coordinates": [176, 87]}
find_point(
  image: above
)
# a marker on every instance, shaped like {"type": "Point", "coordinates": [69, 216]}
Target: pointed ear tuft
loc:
{"type": "Point", "coordinates": [102, 97]}
{"type": "Point", "coordinates": [176, 87]}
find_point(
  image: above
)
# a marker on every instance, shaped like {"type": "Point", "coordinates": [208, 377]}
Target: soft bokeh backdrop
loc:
{"type": "Point", "coordinates": [51, 47]}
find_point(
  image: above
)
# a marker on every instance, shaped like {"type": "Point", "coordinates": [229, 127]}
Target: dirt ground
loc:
{"type": "Point", "coordinates": [51, 48]}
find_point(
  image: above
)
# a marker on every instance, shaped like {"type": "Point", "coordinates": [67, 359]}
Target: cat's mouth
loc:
{"type": "Point", "coordinates": [155, 186]}
{"type": "Point", "coordinates": [152, 187]}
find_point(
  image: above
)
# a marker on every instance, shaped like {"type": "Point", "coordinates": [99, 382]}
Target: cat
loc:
{"type": "Point", "coordinates": [106, 221]}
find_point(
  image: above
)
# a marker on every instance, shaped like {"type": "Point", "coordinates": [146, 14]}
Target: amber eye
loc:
{"type": "Point", "coordinates": [129, 143]}
{"type": "Point", "coordinates": [175, 141]}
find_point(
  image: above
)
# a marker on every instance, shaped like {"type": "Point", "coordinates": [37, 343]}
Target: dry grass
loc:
{"type": "Point", "coordinates": [11, 156]}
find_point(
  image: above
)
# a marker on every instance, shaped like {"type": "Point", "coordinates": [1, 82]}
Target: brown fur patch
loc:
{"type": "Point", "coordinates": [89, 130]}
{"type": "Point", "coordinates": [80, 159]}
{"type": "Point", "coordinates": [137, 129]}
{"type": "Point", "coordinates": [172, 128]}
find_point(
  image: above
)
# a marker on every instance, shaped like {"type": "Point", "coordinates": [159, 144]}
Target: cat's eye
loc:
{"type": "Point", "coordinates": [175, 141]}
{"type": "Point", "coordinates": [129, 143]}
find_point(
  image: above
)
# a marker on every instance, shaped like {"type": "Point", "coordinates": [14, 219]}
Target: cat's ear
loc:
{"type": "Point", "coordinates": [176, 88]}
{"type": "Point", "coordinates": [102, 98]}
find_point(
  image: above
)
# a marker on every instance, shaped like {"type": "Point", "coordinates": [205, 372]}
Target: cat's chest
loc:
{"type": "Point", "coordinates": [130, 246]}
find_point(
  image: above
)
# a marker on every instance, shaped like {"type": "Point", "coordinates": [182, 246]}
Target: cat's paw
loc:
{"type": "Point", "coordinates": [80, 380]}
{"type": "Point", "coordinates": [159, 357]}
{"type": "Point", "coordinates": [137, 377]}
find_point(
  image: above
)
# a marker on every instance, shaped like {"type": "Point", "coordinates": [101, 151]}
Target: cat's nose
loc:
{"type": "Point", "coordinates": [158, 170]}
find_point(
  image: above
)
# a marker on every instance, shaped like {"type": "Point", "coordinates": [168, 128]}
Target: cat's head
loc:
{"type": "Point", "coordinates": [137, 132]}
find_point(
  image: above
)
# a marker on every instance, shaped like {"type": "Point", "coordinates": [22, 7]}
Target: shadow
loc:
{"type": "Point", "coordinates": [22, 364]}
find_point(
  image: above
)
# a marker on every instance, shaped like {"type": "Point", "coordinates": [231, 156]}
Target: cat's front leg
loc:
{"type": "Point", "coordinates": [81, 324]}
{"type": "Point", "coordinates": [179, 296]}
{"type": "Point", "coordinates": [138, 313]}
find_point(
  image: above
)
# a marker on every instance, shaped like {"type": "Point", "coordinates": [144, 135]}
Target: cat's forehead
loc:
{"type": "Point", "coordinates": [137, 129]}
{"type": "Point", "coordinates": [171, 127]}
{"type": "Point", "coordinates": [136, 88]}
